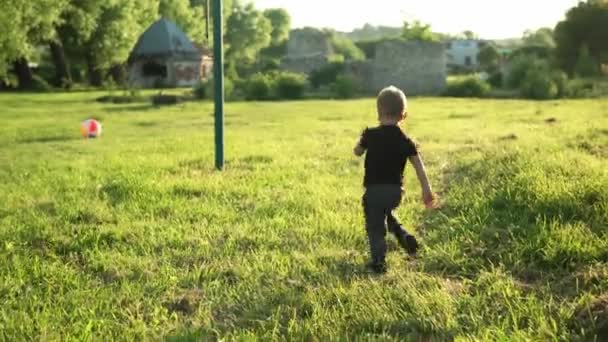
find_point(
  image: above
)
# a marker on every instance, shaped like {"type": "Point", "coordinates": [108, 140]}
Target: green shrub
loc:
{"type": "Point", "coordinates": [520, 67]}
{"type": "Point", "coordinates": [561, 82]}
{"type": "Point", "coordinates": [539, 85]}
{"type": "Point", "coordinates": [326, 75]}
{"type": "Point", "coordinates": [496, 80]}
{"type": "Point", "coordinates": [586, 65]}
{"type": "Point", "coordinates": [209, 88]}
{"type": "Point", "coordinates": [345, 87]}
{"type": "Point", "coordinates": [39, 84]}
{"type": "Point", "coordinates": [200, 90]}
{"type": "Point", "coordinates": [290, 85]}
{"type": "Point", "coordinates": [259, 87]}
{"type": "Point", "coordinates": [468, 87]}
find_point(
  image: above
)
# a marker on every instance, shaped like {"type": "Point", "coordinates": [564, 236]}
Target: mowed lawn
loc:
{"type": "Point", "coordinates": [135, 236]}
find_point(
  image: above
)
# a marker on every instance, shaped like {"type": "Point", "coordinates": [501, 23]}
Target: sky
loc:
{"type": "Point", "coordinates": [489, 19]}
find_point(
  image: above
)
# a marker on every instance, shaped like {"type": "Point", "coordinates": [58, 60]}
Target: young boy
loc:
{"type": "Point", "coordinates": [388, 149]}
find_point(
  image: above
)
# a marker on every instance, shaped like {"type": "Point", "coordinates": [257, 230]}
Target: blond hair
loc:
{"type": "Point", "coordinates": [392, 102]}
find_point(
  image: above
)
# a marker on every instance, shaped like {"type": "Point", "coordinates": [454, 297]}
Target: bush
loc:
{"type": "Point", "coordinates": [539, 85]}
{"type": "Point", "coordinates": [39, 84]}
{"type": "Point", "coordinates": [520, 67]}
{"type": "Point", "coordinates": [259, 87]}
{"type": "Point", "coordinates": [290, 85]}
{"type": "Point", "coordinates": [345, 87]}
{"type": "Point", "coordinates": [207, 89]}
{"type": "Point", "coordinates": [561, 81]}
{"type": "Point", "coordinates": [200, 90]}
{"type": "Point", "coordinates": [468, 87]}
{"type": "Point", "coordinates": [328, 74]}
{"type": "Point", "coordinates": [496, 80]}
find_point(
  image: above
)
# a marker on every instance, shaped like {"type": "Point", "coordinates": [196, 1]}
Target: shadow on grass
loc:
{"type": "Point", "coordinates": [48, 139]}
{"type": "Point", "coordinates": [131, 108]}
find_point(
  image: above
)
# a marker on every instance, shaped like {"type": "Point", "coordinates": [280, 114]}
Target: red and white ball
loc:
{"type": "Point", "coordinates": [90, 128]}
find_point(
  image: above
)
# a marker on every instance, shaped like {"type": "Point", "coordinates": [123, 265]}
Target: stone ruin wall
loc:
{"type": "Point", "coordinates": [418, 68]}
{"type": "Point", "coordinates": [307, 50]}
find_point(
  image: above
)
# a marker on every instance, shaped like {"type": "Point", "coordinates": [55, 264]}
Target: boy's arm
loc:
{"type": "Point", "coordinates": [358, 150]}
{"type": "Point", "coordinates": [427, 193]}
{"type": "Point", "coordinates": [361, 146]}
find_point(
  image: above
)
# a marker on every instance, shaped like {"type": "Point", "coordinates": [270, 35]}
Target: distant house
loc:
{"type": "Point", "coordinates": [462, 54]}
{"type": "Point", "coordinates": [164, 56]}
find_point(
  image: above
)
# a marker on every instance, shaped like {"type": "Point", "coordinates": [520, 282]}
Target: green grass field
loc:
{"type": "Point", "coordinates": [134, 236]}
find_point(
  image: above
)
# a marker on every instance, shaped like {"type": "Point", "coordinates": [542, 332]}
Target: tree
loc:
{"type": "Point", "coordinates": [119, 26]}
{"type": "Point", "coordinates": [586, 25]}
{"type": "Point", "coordinates": [188, 16]}
{"type": "Point", "coordinates": [280, 22]}
{"type": "Point", "coordinates": [345, 47]}
{"type": "Point", "coordinates": [418, 31]}
{"type": "Point", "coordinates": [586, 65]}
{"type": "Point", "coordinates": [26, 25]}
{"type": "Point", "coordinates": [247, 32]}
{"type": "Point", "coordinates": [542, 38]}
{"type": "Point", "coordinates": [469, 35]}
{"type": "Point", "coordinates": [489, 57]}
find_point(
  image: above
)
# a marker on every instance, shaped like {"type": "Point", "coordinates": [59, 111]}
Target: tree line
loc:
{"type": "Point", "coordinates": [91, 39]}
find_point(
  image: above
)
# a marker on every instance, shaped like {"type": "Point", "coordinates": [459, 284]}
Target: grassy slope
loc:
{"type": "Point", "coordinates": [135, 235]}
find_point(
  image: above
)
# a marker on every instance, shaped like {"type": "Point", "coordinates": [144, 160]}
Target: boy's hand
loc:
{"type": "Point", "coordinates": [358, 150]}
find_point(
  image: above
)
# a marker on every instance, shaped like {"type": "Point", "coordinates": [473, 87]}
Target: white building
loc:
{"type": "Point", "coordinates": [463, 53]}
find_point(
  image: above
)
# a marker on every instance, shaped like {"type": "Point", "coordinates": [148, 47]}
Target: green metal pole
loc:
{"type": "Point", "coordinates": [218, 77]}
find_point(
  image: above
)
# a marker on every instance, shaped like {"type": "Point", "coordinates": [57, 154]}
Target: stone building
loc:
{"type": "Point", "coordinates": [307, 50]}
{"type": "Point", "coordinates": [418, 67]}
{"type": "Point", "coordinates": [164, 56]}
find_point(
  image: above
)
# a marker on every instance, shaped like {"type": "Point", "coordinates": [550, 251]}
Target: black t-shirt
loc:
{"type": "Point", "coordinates": [388, 149]}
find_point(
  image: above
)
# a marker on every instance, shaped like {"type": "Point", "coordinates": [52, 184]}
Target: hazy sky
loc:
{"type": "Point", "coordinates": [491, 19]}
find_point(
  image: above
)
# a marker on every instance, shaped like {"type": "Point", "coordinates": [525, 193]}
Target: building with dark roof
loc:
{"type": "Point", "coordinates": [164, 56]}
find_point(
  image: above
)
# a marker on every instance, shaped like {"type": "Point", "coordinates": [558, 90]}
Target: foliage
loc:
{"type": "Point", "coordinates": [260, 87]}
{"type": "Point", "coordinates": [280, 22]}
{"type": "Point", "coordinates": [41, 85]}
{"type": "Point", "coordinates": [418, 31]}
{"type": "Point", "coordinates": [489, 57]}
{"type": "Point", "coordinates": [372, 33]}
{"type": "Point", "coordinates": [467, 87]}
{"type": "Point", "coordinates": [200, 90]}
{"type": "Point", "coordinates": [327, 74]}
{"type": "Point", "coordinates": [26, 25]}
{"type": "Point", "coordinates": [345, 87]}
{"type": "Point", "coordinates": [345, 47]}
{"type": "Point", "coordinates": [290, 85]}
{"type": "Point", "coordinates": [247, 32]}
{"type": "Point", "coordinates": [190, 18]}
{"type": "Point", "coordinates": [520, 67]}
{"type": "Point", "coordinates": [539, 85]}
{"type": "Point", "coordinates": [542, 37]}
{"type": "Point", "coordinates": [585, 25]}
{"type": "Point", "coordinates": [496, 79]}
{"type": "Point", "coordinates": [586, 65]}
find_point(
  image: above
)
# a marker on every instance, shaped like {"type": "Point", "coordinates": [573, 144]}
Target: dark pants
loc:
{"type": "Point", "coordinates": [379, 201]}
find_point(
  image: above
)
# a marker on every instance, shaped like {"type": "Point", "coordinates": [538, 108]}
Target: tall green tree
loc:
{"type": "Point", "coordinates": [280, 22]}
{"type": "Point", "coordinates": [25, 25]}
{"type": "Point", "coordinates": [188, 15]}
{"type": "Point", "coordinates": [542, 37]}
{"type": "Point", "coordinates": [248, 31]}
{"type": "Point", "coordinates": [489, 57]}
{"type": "Point", "coordinates": [585, 25]}
{"type": "Point", "coordinates": [119, 26]}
